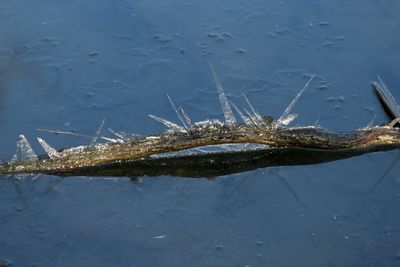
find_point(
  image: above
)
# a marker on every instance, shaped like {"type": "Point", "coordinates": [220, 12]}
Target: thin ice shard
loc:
{"type": "Point", "coordinates": [122, 136]}
{"type": "Point", "coordinates": [226, 108]}
{"type": "Point", "coordinates": [97, 135]}
{"type": "Point", "coordinates": [51, 152]}
{"type": "Point", "coordinates": [256, 114]}
{"type": "Point", "coordinates": [24, 151]}
{"type": "Point", "coordinates": [252, 118]}
{"type": "Point", "coordinates": [245, 119]}
{"type": "Point", "coordinates": [185, 116]}
{"type": "Point", "coordinates": [289, 108]}
{"type": "Point", "coordinates": [171, 125]}
{"type": "Point", "coordinates": [63, 132]}
{"type": "Point", "coordinates": [289, 119]}
{"type": "Point", "coordinates": [119, 135]}
{"type": "Point", "coordinates": [181, 118]}
{"type": "Point", "coordinates": [112, 140]}
{"type": "Point", "coordinates": [387, 98]}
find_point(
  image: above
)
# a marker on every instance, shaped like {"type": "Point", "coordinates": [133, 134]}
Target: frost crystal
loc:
{"type": "Point", "coordinates": [289, 108]}
{"type": "Point", "coordinates": [226, 108]}
{"type": "Point", "coordinates": [256, 115]}
{"type": "Point", "coordinates": [24, 151]}
{"type": "Point", "coordinates": [97, 135]}
{"type": "Point", "coordinates": [182, 117]}
{"type": "Point", "coordinates": [171, 125]}
{"type": "Point", "coordinates": [49, 150]}
{"type": "Point", "coordinates": [245, 119]}
{"type": "Point", "coordinates": [289, 118]}
{"type": "Point", "coordinates": [122, 136]}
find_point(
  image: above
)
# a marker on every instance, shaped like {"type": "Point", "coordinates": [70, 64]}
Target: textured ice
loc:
{"type": "Point", "coordinates": [51, 152]}
{"type": "Point", "coordinates": [24, 151]}
{"type": "Point", "coordinates": [171, 125]}
{"type": "Point", "coordinates": [286, 112]}
{"type": "Point", "coordinates": [226, 108]}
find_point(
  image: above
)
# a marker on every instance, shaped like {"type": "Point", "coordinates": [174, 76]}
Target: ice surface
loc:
{"type": "Point", "coordinates": [286, 113]}
{"type": "Point", "coordinates": [171, 125]}
{"type": "Point", "coordinates": [226, 108]}
{"type": "Point", "coordinates": [24, 151]}
{"type": "Point", "coordinates": [51, 152]}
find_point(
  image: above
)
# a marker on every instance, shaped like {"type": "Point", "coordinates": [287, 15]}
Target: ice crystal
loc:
{"type": "Point", "coordinates": [171, 125]}
{"type": "Point", "coordinates": [24, 151]}
{"type": "Point", "coordinates": [286, 112]}
{"type": "Point", "coordinates": [51, 152]}
{"type": "Point", "coordinates": [226, 108]}
{"type": "Point", "coordinates": [256, 115]}
{"type": "Point", "coordinates": [182, 117]}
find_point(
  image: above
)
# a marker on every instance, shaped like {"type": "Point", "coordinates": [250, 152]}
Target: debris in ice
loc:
{"type": "Point", "coordinates": [226, 108]}
{"type": "Point", "coordinates": [210, 149]}
{"type": "Point", "coordinates": [51, 152]}
{"type": "Point", "coordinates": [24, 151]}
{"type": "Point", "coordinates": [289, 108]}
{"type": "Point", "coordinates": [97, 135]}
{"type": "Point", "coordinates": [171, 125]}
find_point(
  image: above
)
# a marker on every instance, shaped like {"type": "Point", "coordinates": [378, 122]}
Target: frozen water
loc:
{"type": "Point", "coordinates": [245, 119]}
{"type": "Point", "coordinates": [256, 114]}
{"type": "Point", "coordinates": [97, 135]}
{"type": "Point", "coordinates": [24, 151]}
{"type": "Point", "coordinates": [51, 152]}
{"type": "Point", "coordinates": [171, 125]}
{"type": "Point", "coordinates": [122, 136]}
{"type": "Point", "coordinates": [186, 116]}
{"type": "Point", "coordinates": [387, 97]}
{"type": "Point", "coordinates": [180, 116]}
{"type": "Point", "coordinates": [226, 108]}
{"type": "Point", "coordinates": [289, 108]}
{"type": "Point", "coordinates": [289, 118]}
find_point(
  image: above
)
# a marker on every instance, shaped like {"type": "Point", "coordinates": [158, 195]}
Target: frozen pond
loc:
{"type": "Point", "coordinates": [68, 65]}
